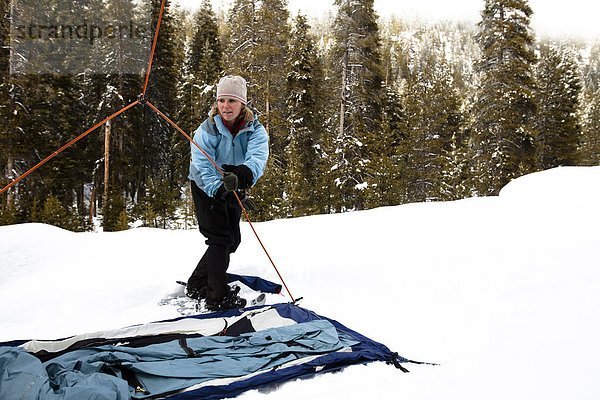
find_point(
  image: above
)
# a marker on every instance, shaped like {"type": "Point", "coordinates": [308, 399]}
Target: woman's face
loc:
{"type": "Point", "coordinates": [229, 108]}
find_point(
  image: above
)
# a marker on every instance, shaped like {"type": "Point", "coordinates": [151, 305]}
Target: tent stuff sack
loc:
{"type": "Point", "coordinates": [208, 356]}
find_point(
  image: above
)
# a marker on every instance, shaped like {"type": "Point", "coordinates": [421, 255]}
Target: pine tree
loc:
{"type": "Point", "coordinates": [106, 86]}
{"type": "Point", "coordinates": [54, 213]}
{"type": "Point", "coordinates": [8, 212]}
{"type": "Point", "coordinates": [386, 169]}
{"type": "Point", "coordinates": [241, 40]}
{"type": "Point", "coordinates": [202, 68]}
{"type": "Point", "coordinates": [272, 37]}
{"type": "Point", "coordinates": [393, 61]}
{"type": "Point", "coordinates": [358, 62]}
{"type": "Point", "coordinates": [304, 143]}
{"type": "Point", "coordinates": [591, 72]}
{"type": "Point", "coordinates": [590, 143]}
{"type": "Point", "coordinates": [4, 39]}
{"type": "Point", "coordinates": [327, 112]}
{"type": "Point", "coordinates": [161, 201]}
{"type": "Point", "coordinates": [434, 121]}
{"type": "Point", "coordinates": [153, 146]}
{"type": "Point", "coordinates": [47, 110]}
{"type": "Point", "coordinates": [438, 60]}
{"type": "Point", "coordinates": [5, 142]}
{"type": "Point", "coordinates": [270, 91]}
{"type": "Point", "coordinates": [504, 108]}
{"type": "Point", "coordinates": [112, 211]}
{"type": "Point", "coordinates": [558, 93]}
{"type": "Point", "coordinates": [201, 71]}
{"type": "Point", "coordinates": [50, 99]}
{"type": "Point", "coordinates": [196, 92]}
{"type": "Point", "coordinates": [256, 49]}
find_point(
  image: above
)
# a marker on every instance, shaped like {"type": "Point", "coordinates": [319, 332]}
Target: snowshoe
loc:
{"type": "Point", "coordinates": [200, 293]}
{"type": "Point", "coordinates": [230, 301]}
{"type": "Point", "coordinates": [196, 293]}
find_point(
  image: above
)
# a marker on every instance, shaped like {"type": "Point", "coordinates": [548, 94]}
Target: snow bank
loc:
{"type": "Point", "coordinates": [503, 292]}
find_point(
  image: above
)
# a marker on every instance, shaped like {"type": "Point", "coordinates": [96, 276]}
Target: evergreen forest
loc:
{"type": "Point", "coordinates": [362, 111]}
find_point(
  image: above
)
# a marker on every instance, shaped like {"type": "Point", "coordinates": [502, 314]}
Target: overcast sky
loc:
{"type": "Point", "coordinates": [578, 18]}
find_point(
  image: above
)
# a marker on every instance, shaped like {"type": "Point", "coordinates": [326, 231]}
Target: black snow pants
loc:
{"type": "Point", "coordinates": [219, 222]}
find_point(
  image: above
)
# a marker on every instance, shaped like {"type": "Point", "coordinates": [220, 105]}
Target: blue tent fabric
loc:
{"type": "Point", "coordinates": [255, 283]}
{"type": "Point", "coordinates": [271, 344]}
{"type": "Point", "coordinates": [364, 351]}
{"type": "Point", "coordinates": [24, 377]}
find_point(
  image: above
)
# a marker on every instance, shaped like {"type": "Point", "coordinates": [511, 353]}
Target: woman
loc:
{"type": "Point", "coordinates": [238, 143]}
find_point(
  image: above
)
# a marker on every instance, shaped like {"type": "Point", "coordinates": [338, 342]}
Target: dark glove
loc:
{"type": "Point", "coordinates": [230, 181]}
{"type": "Point", "coordinates": [227, 167]}
{"type": "Point", "coordinates": [248, 203]}
{"type": "Point", "coordinates": [243, 174]}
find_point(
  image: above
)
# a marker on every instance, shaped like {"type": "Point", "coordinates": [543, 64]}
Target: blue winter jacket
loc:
{"type": "Point", "coordinates": [249, 147]}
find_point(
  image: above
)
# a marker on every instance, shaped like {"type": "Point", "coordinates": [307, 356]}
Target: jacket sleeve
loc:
{"type": "Point", "coordinates": [257, 153]}
{"type": "Point", "coordinates": [202, 171]}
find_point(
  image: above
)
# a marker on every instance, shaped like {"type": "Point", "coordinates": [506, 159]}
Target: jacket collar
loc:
{"type": "Point", "coordinates": [225, 131]}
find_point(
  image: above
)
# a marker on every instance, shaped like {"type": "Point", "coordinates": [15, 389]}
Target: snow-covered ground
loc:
{"type": "Point", "coordinates": [503, 292]}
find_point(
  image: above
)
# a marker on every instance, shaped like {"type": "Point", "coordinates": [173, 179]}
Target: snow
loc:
{"type": "Point", "coordinates": [502, 292]}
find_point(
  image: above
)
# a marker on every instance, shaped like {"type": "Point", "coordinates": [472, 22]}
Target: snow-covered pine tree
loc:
{"type": "Point", "coordinates": [41, 115]}
{"type": "Point", "coordinates": [327, 110]}
{"type": "Point", "coordinates": [204, 58]}
{"type": "Point", "coordinates": [273, 35]}
{"type": "Point", "coordinates": [4, 39]}
{"type": "Point", "coordinates": [12, 149]}
{"type": "Point", "coordinates": [305, 120]}
{"type": "Point", "coordinates": [504, 108]}
{"type": "Point", "coordinates": [590, 104]}
{"type": "Point", "coordinates": [591, 71]}
{"type": "Point", "coordinates": [392, 58]}
{"type": "Point", "coordinates": [434, 122]}
{"type": "Point", "coordinates": [202, 68]}
{"type": "Point", "coordinates": [154, 143]}
{"type": "Point", "coordinates": [266, 74]}
{"type": "Point", "coordinates": [165, 75]}
{"type": "Point", "coordinates": [386, 167]}
{"type": "Point", "coordinates": [121, 87]}
{"type": "Point", "coordinates": [5, 156]}
{"type": "Point", "coordinates": [358, 66]}
{"type": "Point", "coordinates": [385, 170]}
{"type": "Point", "coordinates": [240, 40]}
{"type": "Point", "coordinates": [8, 209]}
{"type": "Point", "coordinates": [558, 92]}
{"type": "Point", "coordinates": [590, 143]}
{"type": "Point", "coordinates": [201, 71]}
{"type": "Point", "coordinates": [50, 99]}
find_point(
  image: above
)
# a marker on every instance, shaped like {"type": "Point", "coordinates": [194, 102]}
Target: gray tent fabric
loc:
{"type": "Point", "coordinates": [26, 378]}
{"type": "Point", "coordinates": [102, 372]}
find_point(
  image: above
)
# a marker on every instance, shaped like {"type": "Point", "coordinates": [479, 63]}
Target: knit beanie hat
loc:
{"type": "Point", "coordinates": [232, 86]}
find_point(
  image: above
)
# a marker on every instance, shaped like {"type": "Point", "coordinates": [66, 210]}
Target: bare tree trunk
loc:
{"type": "Point", "coordinates": [9, 174]}
{"type": "Point", "coordinates": [267, 108]}
{"type": "Point", "coordinates": [92, 206]}
{"type": "Point", "coordinates": [106, 159]}
{"type": "Point", "coordinates": [343, 97]}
